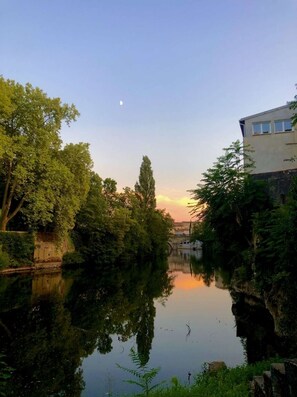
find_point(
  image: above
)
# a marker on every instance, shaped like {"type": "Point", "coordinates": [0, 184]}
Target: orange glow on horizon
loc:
{"type": "Point", "coordinates": [187, 282]}
{"type": "Point", "coordinates": [178, 208]}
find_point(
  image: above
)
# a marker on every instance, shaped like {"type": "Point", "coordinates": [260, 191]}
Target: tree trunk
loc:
{"type": "Point", "coordinates": [3, 224]}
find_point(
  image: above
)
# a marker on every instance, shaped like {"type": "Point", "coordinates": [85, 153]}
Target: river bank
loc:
{"type": "Point", "coordinates": [37, 267]}
{"type": "Point", "coordinates": [226, 382]}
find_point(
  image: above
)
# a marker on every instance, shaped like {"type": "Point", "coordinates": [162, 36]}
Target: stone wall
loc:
{"type": "Point", "coordinates": [49, 250]}
{"type": "Point", "coordinates": [280, 381]}
{"type": "Point", "coordinates": [278, 183]}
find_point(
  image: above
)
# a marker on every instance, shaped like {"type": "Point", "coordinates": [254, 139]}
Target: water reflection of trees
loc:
{"type": "Point", "coordinates": [118, 302]}
{"type": "Point", "coordinates": [46, 336]}
{"type": "Point", "coordinates": [41, 345]}
{"type": "Point", "coordinates": [266, 322]}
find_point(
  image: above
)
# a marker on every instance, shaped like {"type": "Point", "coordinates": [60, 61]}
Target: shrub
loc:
{"type": "Point", "coordinates": [4, 259]}
{"type": "Point", "coordinates": [72, 259]}
{"type": "Point", "coordinates": [19, 247]}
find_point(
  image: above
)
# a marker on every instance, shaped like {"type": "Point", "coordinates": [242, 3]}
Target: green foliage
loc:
{"type": "Point", "coordinates": [145, 187]}
{"type": "Point", "coordinates": [159, 228]}
{"type": "Point", "coordinates": [276, 242]}
{"type": "Point", "coordinates": [72, 259]}
{"type": "Point", "coordinates": [4, 259]}
{"type": "Point", "coordinates": [230, 382]}
{"type": "Point", "coordinates": [5, 375]}
{"type": "Point", "coordinates": [177, 386]}
{"type": "Point", "coordinates": [227, 200]}
{"type": "Point", "coordinates": [202, 231]}
{"type": "Point", "coordinates": [102, 223]}
{"type": "Point", "coordinates": [238, 219]}
{"type": "Point", "coordinates": [43, 348]}
{"type": "Point", "coordinates": [17, 247]}
{"type": "Point", "coordinates": [113, 225]}
{"type": "Point", "coordinates": [142, 373]}
{"type": "Point", "coordinates": [293, 106]}
{"type": "Point", "coordinates": [39, 179]}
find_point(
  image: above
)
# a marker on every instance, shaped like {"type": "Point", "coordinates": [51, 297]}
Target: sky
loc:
{"type": "Point", "coordinates": [164, 78]}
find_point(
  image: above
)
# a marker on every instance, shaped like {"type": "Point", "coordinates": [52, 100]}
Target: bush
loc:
{"type": "Point", "coordinates": [18, 247]}
{"type": "Point", "coordinates": [72, 259]}
{"type": "Point", "coordinates": [4, 259]}
{"type": "Point", "coordinates": [5, 375]}
{"type": "Point", "coordinates": [229, 382]}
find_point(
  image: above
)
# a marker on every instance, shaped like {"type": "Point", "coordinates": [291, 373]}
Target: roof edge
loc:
{"type": "Point", "coordinates": [265, 112]}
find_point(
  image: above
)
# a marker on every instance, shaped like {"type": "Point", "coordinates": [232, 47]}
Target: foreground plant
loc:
{"type": "Point", "coordinates": [5, 375]}
{"type": "Point", "coordinates": [226, 382]}
{"type": "Point", "coordinates": [142, 373]}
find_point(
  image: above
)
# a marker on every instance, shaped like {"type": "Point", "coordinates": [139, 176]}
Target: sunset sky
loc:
{"type": "Point", "coordinates": [164, 78]}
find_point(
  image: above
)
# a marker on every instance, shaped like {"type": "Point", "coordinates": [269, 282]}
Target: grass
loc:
{"type": "Point", "coordinates": [230, 382]}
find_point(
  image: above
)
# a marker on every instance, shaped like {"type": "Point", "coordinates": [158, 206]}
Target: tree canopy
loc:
{"type": "Point", "coordinates": [293, 106]}
{"type": "Point", "coordinates": [48, 186]}
{"type": "Point", "coordinates": [145, 186]}
{"type": "Point", "coordinates": [113, 225]}
{"type": "Point", "coordinates": [228, 198]}
{"type": "Point", "coordinates": [37, 176]}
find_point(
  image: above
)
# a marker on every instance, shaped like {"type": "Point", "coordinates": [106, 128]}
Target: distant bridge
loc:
{"type": "Point", "coordinates": [177, 239]}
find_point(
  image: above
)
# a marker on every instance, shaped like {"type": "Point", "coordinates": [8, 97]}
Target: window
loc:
{"type": "Point", "coordinates": [283, 126]}
{"type": "Point", "coordinates": [261, 128]}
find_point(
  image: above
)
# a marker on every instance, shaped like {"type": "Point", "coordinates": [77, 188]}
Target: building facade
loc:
{"type": "Point", "coordinates": [273, 143]}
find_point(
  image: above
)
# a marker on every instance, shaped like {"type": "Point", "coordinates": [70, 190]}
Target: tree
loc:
{"type": "Point", "coordinates": [229, 197]}
{"type": "Point", "coordinates": [112, 225]}
{"type": "Point", "coordinates": [102, 223]}
{"type": "Point", "coordinates": [37, 177]}
{"type": "Point", "coordinates": [293, 106]}
{"type": "Point", "coordinates": [156, 224]}
{"type": "Point", "coordinates": [77, 162]}
{"type": "Point", "coordinates": [145, 187]}
{"type": "Point", "coordinates": [276, 246]}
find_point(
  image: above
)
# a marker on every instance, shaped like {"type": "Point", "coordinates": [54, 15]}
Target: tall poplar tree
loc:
{"type": "Point", "coordinates": [145, 187]}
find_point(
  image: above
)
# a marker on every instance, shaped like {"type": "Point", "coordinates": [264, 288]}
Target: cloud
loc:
{"type": "Point", "coordinates": [182, 201]}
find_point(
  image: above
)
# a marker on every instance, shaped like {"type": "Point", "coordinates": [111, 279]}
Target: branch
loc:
{"type": "Point", "coordinates": [19, 206]}
{"type": "Point", "coordinates": [7, 186]}
{"type": "Point", "coordinates": [9, 199]}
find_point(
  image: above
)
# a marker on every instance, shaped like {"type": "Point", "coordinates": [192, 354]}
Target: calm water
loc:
{"type": "Point", "coordinates": [64, 333]}
{"type": "Point", "coordinates": [192, 326]}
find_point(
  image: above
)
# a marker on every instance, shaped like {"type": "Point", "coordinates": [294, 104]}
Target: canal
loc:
{"type": "Point", "coordinates": [193, 325]}
{"type": "Point", "coordinates": [65, 333]}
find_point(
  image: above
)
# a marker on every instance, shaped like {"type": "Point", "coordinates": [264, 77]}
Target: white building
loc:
{"type": "Point", "coordinates": [273, 141]}
{"type": "Point", "coordinates": [272, 138]}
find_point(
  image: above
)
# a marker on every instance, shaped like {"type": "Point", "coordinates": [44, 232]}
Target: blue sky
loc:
{"type": "Point", "coordinates": [186, 72]}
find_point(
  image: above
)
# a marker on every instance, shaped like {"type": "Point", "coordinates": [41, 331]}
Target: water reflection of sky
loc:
{"type": "Point", "coordinates": [194, 325]}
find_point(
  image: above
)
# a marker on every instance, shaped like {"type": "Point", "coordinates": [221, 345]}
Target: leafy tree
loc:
{"type": "Point", "coordinates": [112, 225]}
{"type": "Point", "coordinates": [160, 225]}
{"type": "Point", "coordinates": [156, 223]}
{"type": "Point", "coordinates": [293, 106]}
{"type": "Point", "coordinates": [138, 239]}
{"type": "Point", "coordinates": [37, 177]}
{"type": "Point", "coordinates": [276, 243]}
{"type": "Point", "coordinates": [76, 161]}
{"type": "Point", "coordinates": [102, 223]}
{"type": "Point", "coordinates": [145, 187]}
{"type": "Point", "coordinates": [228, 198]}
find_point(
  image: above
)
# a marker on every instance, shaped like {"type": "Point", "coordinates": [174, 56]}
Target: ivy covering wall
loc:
{"type": "Point", "coordinates": [16, 249]}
